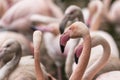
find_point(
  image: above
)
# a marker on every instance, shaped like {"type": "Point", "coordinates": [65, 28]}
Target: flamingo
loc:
{"type": "Point", "coordinates": [18, 67]}
{"type": "Point", "coordinates": [27, 45]}
{"type": "Point", "coordinates": [113, 62]}
{"type": "Point", "coordinates": [73, 31]}
{"type": "Point", "coordinates": [51, 37]}
{"type": "Point", "coordinates": [3, 7]}
{"type": "Point", "coordinates": [110, 62]}
{"type": "Point", "coordinates": [43, 19]}
{"type": "Point", "coordinates": [112, 75]}
{"type": "Point", "coordinates": [95, 18]}
{"type": "Point", "coordinates": [6, 47]}
{"type": "Point", "coordinates": [12, 47]}
{"type": "Point", "coordinates": [81, 30]}
{"type": "Point", "coordinates": [108, 37]}
{"type": "Point", "coordinates": [112, 14]}
{"type": "Point", "coordinates": [17, 17]}
{"type": "Point", "coordinates": [95, 9]}
{"type": "Point", "coordinates": [37, 35]}
{"type": "Point", "coordinates": [71, 13]}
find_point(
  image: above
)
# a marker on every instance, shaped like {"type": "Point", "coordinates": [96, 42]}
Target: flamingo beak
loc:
{"type": "Point", "coordinates": [62, 48]}
{"type": "Point", "coordinates": [63, 23]}
{"type": "Point", "coordinates": [78, 52]}
{"type": "Point", "coordinates": [42, 28]}
{"type": "Point", "coordinates": [76, 59]}
{"type": "Point", "coordinates": [33, 28]}
{"type": "Point", "coordinates": [63, 40]}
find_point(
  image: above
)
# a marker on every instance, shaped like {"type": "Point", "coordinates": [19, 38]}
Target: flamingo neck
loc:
{"type": "Point", "coordinates": [96, 19]}
{"type": "Point", "coordinates": [37, 41]}
{"type": "Point", "coordinates": [100, 63]}
{"type": "Point", "coordinates": [37, 66]}
{"type": "Point", "coordinates": [11, 65]}
{"type": "Point", "coordinates": [107, 13]}
{"type": "Point", "coordinates": [31, 48]}
{"type": "Point", "coordinates": [83, 60]}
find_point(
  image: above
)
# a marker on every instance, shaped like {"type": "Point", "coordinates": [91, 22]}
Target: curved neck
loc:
{"type": "Point", "coordinates": [69, 60]}
{"type": "Point", "coordinates": [107, 15]}
{"type": "Point", "coordinates": [100, 63]}
{"type": "Point", "coordinates": [11, 65]}
{"type": "Point", "coordinates": [83, 60]}
{"type": "Point", "coordinates": [37, 41]}
{"type": "Point", "coordinates": [38, 69]}
{"type": "Point", "coordinates": [96, 19]}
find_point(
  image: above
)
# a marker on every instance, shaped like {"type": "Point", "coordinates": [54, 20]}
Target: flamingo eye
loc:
{"type": "Point", "coordinates": [70, 28]}
{"type": "Point", "coordinates": [8, 45]}
{"type": "Point", "coordinates": [72, 12]}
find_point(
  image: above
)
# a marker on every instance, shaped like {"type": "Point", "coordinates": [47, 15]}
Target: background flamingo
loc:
{"type": "Point", "coordinates": [112, 75]}
{"type": "Point", "coordinates": [17, 17]}
{"type": "Point", "coordinates": [26, 45]}
{"type": "Point", "coordinates": [39, 72]}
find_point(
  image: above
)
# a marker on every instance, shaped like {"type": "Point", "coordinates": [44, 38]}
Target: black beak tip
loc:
{"type": "Point", "coordinates": [62, 48]}
{"type": "Point", "coordinates": [76, 59]}
{"type": "Point", "coordinates": [61, 30]}
{"type": "Point", "coordinates": [33, 28]}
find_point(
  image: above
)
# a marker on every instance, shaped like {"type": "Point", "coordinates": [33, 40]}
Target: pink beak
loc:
{"type": "Point", "coordinates": [63, 40]}
{"type": "Point", "coordinates": [78, 52]}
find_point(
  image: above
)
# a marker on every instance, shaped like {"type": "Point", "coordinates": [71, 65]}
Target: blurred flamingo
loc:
{"type": "Point", "coordinates": [37, 37]}
{"type": "Point", "coordinates": [17, 17]}
{"type": "Point", "coordinates": [18, 67]}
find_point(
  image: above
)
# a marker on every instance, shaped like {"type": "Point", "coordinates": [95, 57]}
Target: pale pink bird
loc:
{"type": "Point", "coordinates": [51, 37]}
{"type": "Point", "coordinates": [78, 30]}
{"type": "Point", "coordinates": [112, 13]}
{"type": "Point", "coordinates": [37, 37]}
{"type": "Point", "coordinates": [113, 63]}
{"type": "Point", "coordinates": [3, 7]}
{"type": "Point", "coordinates": [112, 75]}
{"type": "Point", "coordinates": [26, 45]}
{"type": "Point", "coordinates": [19, 68]}
{"type": "Point", "coordinates": [72, 13]}
{"type": "Point", "coordinates": [18, 16]}
{"type": "Point", "coordinates": [95, 7]}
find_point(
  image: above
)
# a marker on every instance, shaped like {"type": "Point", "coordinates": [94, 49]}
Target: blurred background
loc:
{"type": "Point", "coordinates": [8, 17]}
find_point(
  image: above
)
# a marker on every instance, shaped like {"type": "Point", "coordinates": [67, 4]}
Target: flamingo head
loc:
{"type": "Point", "coordinates": [74, 31]}
{"type": "Point", "coordinates": [72, 12]}
{"type": "Point", "coordinates": [9, 46]}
